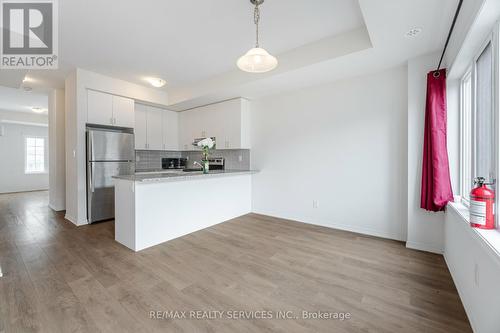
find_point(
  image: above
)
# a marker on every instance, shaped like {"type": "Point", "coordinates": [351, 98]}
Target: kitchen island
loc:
{"type": "Point", "coordinates": [154, 208]}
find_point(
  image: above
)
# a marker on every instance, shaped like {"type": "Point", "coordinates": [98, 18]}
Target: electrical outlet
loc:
{"type": "Point", "coordinates": [476, 274]}
{"type": "Point", "coordinates": [240, 158]}
{"type": "Point", "coordinates": [315, 204]}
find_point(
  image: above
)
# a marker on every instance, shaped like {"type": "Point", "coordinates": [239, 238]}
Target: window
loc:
{"type": "Point", "coordinates": [465, 138]}
{"type": "Point", "coordinates": [477, 123]}
{"type": "Point", "coordinates": [35, 155]}
{"type": "Point", "coordinates": [483, 127]}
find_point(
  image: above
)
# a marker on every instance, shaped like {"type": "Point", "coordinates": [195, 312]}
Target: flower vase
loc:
{"type": "Point", "coordinates": [206, 166]}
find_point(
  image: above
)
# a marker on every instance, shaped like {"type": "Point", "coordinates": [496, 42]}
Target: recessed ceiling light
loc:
{"type": "Point", "coordinates": [38, 110]}
{"type": "Point", "coordinates": [413, 32]}
{"type": "Point", "coordinates": [156, 82]}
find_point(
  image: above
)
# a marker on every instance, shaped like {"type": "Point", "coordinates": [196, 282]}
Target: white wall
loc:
{"type": "Point", "coordinates": [341, 144]}
{"type": "Point", "coordinates": [77, 84]}
{"type": "Point", "coordinates": [12, 150]}
{"type": "Point", "coordinates": [475, 268]}
{"type": "Point", "coordinates": [57, 152]}
{"type": "Point", "coordinates": [71, 144]}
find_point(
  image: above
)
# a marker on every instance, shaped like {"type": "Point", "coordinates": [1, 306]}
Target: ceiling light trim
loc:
{"type": "Point", "coordinates": [156, 82]}
{"type": "Point", "coordinates": [37, 109]}
{"type": "Point", "coordinates": [413, 32]}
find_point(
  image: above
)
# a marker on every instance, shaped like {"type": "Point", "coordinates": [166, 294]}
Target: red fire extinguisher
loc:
{"type": "Point", "coordinates": [482, 205]}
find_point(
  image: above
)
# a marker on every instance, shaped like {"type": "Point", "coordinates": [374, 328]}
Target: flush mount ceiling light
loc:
{"type": "Point", "coordinates": [37, 109]}
{"type": "Point", "coordinates": [257, 60]}
{"type": "Point", "coordinates": [25, 85]}
{"type": "Point", "coordinates": [28, 79]}
{"type": "Point", "coordinates": [156, 82]}
{"type": "Point", "coordinates": [413, 32]}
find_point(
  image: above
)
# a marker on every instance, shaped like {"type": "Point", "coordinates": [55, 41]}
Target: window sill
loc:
{"type": "Point", "coordinates": [36, 173]}
{"type": "Point", "coordinates": [491, 238]}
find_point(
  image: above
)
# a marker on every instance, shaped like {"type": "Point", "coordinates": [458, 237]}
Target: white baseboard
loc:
{"type": "Point", "coordinates": [424, 247]}
{"type": "Point", "coordinates": [57, 208]}
{"type": "Point", "coordinates": [75, 221]}
{"type": "Point", "coordinates": [70, 218]}
{"type": "Point", "coordinates": [23, 191]}
{"type": "Point", "coordinates": [345, 227]}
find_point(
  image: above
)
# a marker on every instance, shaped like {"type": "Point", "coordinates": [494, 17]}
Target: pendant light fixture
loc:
{"type": "Point", "coordinates": [257, 60]}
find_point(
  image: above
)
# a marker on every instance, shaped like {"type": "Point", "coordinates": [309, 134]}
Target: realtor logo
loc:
{"type": "Point", "coordinates": [29, 34]}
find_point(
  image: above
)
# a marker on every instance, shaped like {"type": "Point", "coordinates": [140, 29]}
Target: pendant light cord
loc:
{"type": "Point", "coordinates": [256, 19]}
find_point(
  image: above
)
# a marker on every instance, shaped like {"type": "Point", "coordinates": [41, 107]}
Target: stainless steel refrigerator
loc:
{"type": "Point", "coordinates": [110, 152]}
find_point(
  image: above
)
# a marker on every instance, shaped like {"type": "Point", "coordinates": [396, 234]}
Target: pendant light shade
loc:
{"type": "Point", "coordinates": [257, 60]}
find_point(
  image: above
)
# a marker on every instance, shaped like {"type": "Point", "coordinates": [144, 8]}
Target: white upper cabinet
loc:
{"type": "Point", "coordinates": [123, 111]}
{"type": "Point", "coordinates": [141, 127]}
{"type": "Point", "coordinates": [99, 108]}
{"type": "Point", "coordinates": [170, 130]}
{"type": "Point", "coordinates": [187, 130]}
{"type": "Point", "coordinates": [106, 109]}
{"type": "Point", "coordinates": [235, 130]}
{"type": "Point", "coordinates": [155, 128]}
{"type": "Point", "coordinates": [228, 122]}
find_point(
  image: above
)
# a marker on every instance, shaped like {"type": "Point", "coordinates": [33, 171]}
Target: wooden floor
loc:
{"type": "Point", "coordinates": [60, 278]}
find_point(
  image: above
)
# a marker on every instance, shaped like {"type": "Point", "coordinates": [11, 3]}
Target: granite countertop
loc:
{"type": "Point", "coordinates": [149, 171]}
{"type": "Point", "coordinates": [176, 176]}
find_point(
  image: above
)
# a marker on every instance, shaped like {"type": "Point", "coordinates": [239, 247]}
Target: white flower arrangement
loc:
{"type": "Point", "coordinates": [206, 143]}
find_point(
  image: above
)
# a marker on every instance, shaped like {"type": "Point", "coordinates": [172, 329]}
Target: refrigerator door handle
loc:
{"type": "Point", "coordinates": [91, 145]}
{"type": "Point", "coordinates": [91, 176]}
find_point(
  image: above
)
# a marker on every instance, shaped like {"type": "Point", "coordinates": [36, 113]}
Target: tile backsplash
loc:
{"type": "Point", "coordinates": [148, 160]}
{"type": "Point", "coordinates": [151, 159]}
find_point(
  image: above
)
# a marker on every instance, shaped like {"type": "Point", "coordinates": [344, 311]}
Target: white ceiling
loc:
{"type": "Point", "coordinates": [190, 40]}
{"type": "Point", "coordinates": [18, 100]}
{"type": "Point", "coordinates": [194, 44]}
{"type": "Point", "coordinates": [386, 21]}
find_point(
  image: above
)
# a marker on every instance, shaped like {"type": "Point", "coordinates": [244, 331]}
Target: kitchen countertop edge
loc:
{"type": "Point", "coordinates": [166, 177]}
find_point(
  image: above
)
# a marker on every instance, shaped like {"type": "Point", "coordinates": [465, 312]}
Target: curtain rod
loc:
{"type": "Point", "coordinates": [436, 73]}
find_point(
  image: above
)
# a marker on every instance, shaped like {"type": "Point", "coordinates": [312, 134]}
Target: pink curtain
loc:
{"type": "Point", "coordinates": [436, 184]}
